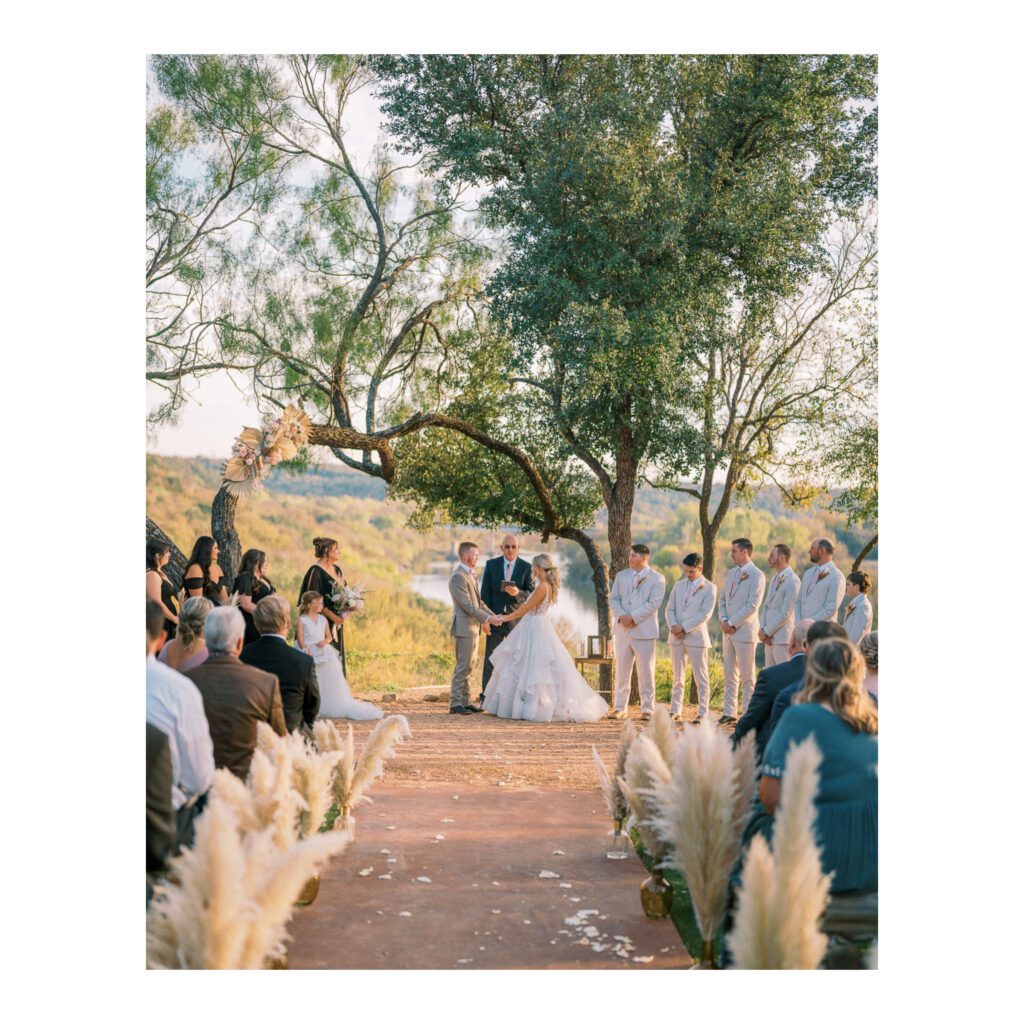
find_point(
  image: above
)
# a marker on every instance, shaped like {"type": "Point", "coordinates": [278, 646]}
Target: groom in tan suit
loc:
{"type": "Point", "coordinates": [471, 617]}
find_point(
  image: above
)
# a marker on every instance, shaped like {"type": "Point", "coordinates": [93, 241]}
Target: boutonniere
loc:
{"type": "Point", "coordinates": [700, 586]}
{"type": "Point", "coordinates": [744, 576]}
{"type": "Point", "coordinates": [822, 574]}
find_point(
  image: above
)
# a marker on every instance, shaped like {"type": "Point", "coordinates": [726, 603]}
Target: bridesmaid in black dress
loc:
{"type": "Point", "coordinates": [320, 577]}
{"type": "Point", "coordinates": [158, 586]}
{"type": "Point", "coordinates": [203, 576]}
{"type": "Point", "coordinates": [253, 586]}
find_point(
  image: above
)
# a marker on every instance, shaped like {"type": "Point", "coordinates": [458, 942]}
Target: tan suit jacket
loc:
{"type": "Point", "coordinates": [469, 612]}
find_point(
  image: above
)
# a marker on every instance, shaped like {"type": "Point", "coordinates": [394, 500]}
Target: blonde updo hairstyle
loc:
{"type": "Point", "coordinates": [549, 573]}
{"type": "Point", "coordinates": [192, 621]}
{"type": "Point", "coordinates": [835, 676]}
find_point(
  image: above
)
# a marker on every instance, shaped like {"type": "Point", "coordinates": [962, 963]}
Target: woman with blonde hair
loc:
{"type": "Point", "coordinates": [188, 648]}
{"type": "Point", "coordinates": [834, 707]}
{"type": "Point", "coordinates": [534, 675]}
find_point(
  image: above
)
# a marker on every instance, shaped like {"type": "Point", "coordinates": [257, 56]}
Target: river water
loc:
{"type": "Point", "coordinates": [578, 612]}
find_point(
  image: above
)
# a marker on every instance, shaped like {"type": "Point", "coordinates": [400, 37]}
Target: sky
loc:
{"type": "Point", "coordinates": [221, 403]}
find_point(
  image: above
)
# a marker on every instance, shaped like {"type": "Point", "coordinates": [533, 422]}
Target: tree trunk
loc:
{"type": "Point", "coordinates": [222, 526]}
{"type": "Point", "coordinates": [601, 592]}
{"type": "Point", "coordinates": [864, 554]}
{"type": "Point", "coordinates": [620, 537]}
{"type": "Point", "coordinates": [175, 568]}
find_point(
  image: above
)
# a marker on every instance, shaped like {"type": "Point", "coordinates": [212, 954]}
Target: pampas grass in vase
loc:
{"type": "Point", "coordinates": [645, 771]}
{"type": "Point", "coordinates": [614, 798]}
{"type": "Point", "coordinates": [701, 813]}
{"type": "Point", "coordinates": [783, 891]}
{"type": "Point", "coordinates": [351, 778]}
{"type": "Point", "coordinates": [235, 894]}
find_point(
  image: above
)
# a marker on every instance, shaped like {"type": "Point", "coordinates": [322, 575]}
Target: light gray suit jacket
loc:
{"type": "Point", "coordinates": [740, 599]}
{"type": "Point", "coordinates": [778, 613]}
{"type": "Point", "coordinates": [470, 612]}
{"type": "Point", "coordinates": [857, 619]}
{"type": "Point", "coordinates": [820, 598]}
{"type": "Point", "coordinates": [641, 602]}
{"type": "Point", "coordinates": [694, 615]}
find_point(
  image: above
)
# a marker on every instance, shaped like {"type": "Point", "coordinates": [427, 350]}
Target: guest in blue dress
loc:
{"type": "Point", "coordinates": [835, 708]}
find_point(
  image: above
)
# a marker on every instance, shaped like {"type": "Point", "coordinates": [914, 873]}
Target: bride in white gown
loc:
{"type": "Point", "coordinates": [313, 636]}
{"type": "Point", "coordinates": [534, 675]}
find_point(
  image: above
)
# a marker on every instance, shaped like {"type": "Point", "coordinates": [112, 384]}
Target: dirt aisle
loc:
{"type": "Point", "coordinates": [506, 821]}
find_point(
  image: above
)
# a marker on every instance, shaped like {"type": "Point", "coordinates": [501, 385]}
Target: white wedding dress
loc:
{"type": "Point", "coordinates": [336, 701]}
{"type": "Point", "coordinates": [535, 678]}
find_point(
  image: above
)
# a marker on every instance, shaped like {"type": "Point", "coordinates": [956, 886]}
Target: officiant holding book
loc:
{"type": "Point", "coordinates": [507, 582]}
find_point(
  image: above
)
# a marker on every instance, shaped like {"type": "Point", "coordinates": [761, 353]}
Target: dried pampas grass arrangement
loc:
{"type": "Point", "coordinates": [235, 896]}
{"type": "Point", "coordinates": [662, 733]}
{"type": "Point", "coordinates": [351, 778]}
{"type": "Point", "coordinates": [645, 771]}
{"type": "Point", "coordinates": [312, 771]}
{"type": "Point", "coordinates": [783, 892]}
{"type": "Point", "coordinates": [614, 798]}
{"type": "Point", "coordinates": [701, 813]}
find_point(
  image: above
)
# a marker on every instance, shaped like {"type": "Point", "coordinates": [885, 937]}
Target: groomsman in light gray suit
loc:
{"type": "Point", "coordinates": [778, 613]}
{"type": "Point", "coordinates": [471, 617]}
{"type": "Point", "coordinates": [636, 596]}
{"type": "Point", "coordinates": [821, 592]}
{"type": "Point", "coordinates": [737, 608]}
{"type": "Point", "coordinates": [690, 605]}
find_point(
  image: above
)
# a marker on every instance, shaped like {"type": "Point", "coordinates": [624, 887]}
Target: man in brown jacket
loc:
{"type": "Point", "coordinates": [235, 696]}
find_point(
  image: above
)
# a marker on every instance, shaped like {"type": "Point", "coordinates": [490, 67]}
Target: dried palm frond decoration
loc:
{"type": "Point", "coordinates": [614, 798]}
{"type": "Point", "coordinates": [783, 891]}
{"type": "Point", "coordinates": [255, 450]}
{"type": "Point", "coordinates": [701, 813]}
{"type": "Point", "coordinates": [235, 895]}
{"type": "Point", "coordinates": [351, 778]}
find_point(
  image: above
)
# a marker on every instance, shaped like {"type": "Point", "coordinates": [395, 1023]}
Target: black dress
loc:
{"type": "Point", "coordinates": [167, 599]}
{"type": "Point", "coordinates": [318, 579]}
{"type": "Point", "coordinates": [211, 590]}
{"type": "Point", "coordinates": [257, 589]}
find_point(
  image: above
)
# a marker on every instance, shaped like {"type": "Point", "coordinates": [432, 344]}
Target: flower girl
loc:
{"type": "Point", "coordinates": [314, 635]}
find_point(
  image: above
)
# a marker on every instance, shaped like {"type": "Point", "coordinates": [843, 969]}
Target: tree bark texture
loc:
{"type": "Point", "coordinates": [222, 526]}
{"type": "Point", "coordinates": [175, 568]}
{"type": "Point", "coordinates": [864, 553]}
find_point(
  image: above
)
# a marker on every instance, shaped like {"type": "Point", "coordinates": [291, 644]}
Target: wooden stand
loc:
{"type": "Point", "coordinates": [597, 654]}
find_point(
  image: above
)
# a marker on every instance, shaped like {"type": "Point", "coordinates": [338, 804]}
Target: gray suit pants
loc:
{"type": "Point", "coordinates": [465, 660]}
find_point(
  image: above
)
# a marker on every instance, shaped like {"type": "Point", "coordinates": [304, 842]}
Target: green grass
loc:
{"type": "Point", "coordinates": [663, 679]}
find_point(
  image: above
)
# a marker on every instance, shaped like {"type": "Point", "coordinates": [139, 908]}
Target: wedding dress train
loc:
{"type": "Point", "coordinates": [336, 700]}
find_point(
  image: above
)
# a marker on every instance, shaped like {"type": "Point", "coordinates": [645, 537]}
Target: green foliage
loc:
{"type": "Point", "coordinates": [854, 462]}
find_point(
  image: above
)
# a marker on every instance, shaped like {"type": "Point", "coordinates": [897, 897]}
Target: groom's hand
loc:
{"type": "Point", "coordinates": [486, 628]}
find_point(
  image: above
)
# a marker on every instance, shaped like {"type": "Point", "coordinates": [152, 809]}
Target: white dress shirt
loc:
{"type": "Point", "coordinates": [175, 706]}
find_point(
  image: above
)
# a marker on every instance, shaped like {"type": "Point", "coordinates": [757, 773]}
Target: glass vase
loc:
{"type": "Point", "coordinates": [309, 891]}
{"type": "Point", "coordinates": [707, 957]}
{"type": "Point", "coordinates": [656, 895]}
{"type": "Point", "coordinates": [618, 843]}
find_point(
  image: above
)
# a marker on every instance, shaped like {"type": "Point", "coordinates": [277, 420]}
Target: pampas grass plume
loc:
{"type": "Point", "coordinates": [701, 812]}
{"type": "Point", "coordinates": [645, 771]}
{"type": "Point", "coordinates": [614, 798]}
{"type": "Point", "coordinates": [662, 733]}
{"type": "Point", "coordinates": [783, 893]}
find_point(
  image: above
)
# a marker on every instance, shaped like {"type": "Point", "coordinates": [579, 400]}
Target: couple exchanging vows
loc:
{"type": "Point", "coordinates": [533, 676]}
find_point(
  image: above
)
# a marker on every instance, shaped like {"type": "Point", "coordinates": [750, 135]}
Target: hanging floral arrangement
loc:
{"type": "Point", "coordinates": [255, 450]}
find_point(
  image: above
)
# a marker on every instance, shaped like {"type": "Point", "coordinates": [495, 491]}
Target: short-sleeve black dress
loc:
{"type": "Point", "coordinates": [167, 599]}
{"type": "Point", "coordinates": [318, 579]}
{"type": "Point", "coordinates": [257, 589]}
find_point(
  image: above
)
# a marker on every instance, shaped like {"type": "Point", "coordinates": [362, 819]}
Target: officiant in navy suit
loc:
{"type": "Point", "coordinates": [508, 580]}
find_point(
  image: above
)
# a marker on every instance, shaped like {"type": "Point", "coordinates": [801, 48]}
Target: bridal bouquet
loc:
{"type": "Point", "coordinates": [347, 598]}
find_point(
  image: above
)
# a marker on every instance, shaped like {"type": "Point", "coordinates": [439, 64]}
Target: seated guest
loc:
{"type": "Point", "coordinates": [188, 648]}
{"type": "Point", "coordinates": [161, 823]}
{"type": "Point", "coordinates": [236, 696]}
{"type": "Point", "coordinates": [869, 651]}
{"type": "Point", "coordinates": [821, 630]}
{"type": "Point", "coordinates": [834, 708]}
{"type": "Point", "coordinates": [175, 707]}
{"type": "Point", "coordinates": [770, 682]}
{"type": "Point", "coordinates": [295, 671]}
{"type": "Point", "coordinates": [858, 615]}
